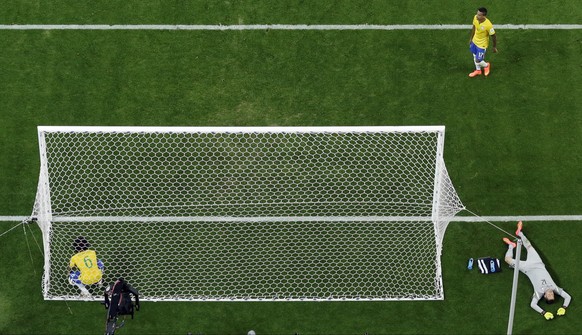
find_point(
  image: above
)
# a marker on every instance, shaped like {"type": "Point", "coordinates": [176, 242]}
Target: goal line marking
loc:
{"type": "Point", "coordinates": [281, 27]}
{"type": "Point", "coordinates": [297, 219]}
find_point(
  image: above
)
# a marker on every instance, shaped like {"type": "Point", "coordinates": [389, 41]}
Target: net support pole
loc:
{"type": "Point", "coordinates": [514, 287]}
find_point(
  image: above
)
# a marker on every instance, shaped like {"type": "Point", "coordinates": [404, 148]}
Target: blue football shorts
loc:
{"type": "Point", "coordinates": [477, 52]}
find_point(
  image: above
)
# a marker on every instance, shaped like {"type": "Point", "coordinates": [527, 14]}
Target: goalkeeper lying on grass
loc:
{"type": "Point", "coordinates": [543, 284]}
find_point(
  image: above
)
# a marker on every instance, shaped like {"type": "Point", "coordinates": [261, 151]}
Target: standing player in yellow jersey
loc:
{"type": "Point", "coordinates": [482, 29]}
{"type": "Point", "coordinates": [84, 267]}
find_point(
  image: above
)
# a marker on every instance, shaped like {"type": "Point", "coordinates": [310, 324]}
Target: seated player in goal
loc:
{"type": "Point", "coordinates": [543, 284]}
{"type": "Point", "coordinates": [84, 268]}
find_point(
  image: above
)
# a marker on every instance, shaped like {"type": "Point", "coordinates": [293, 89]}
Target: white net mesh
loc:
{"type": "Point", "coordinates": [249, 213]}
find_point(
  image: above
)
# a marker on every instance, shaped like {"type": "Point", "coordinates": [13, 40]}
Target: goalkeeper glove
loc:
{"type": "Point", "coordinates": [561, 311]}
{"type": "Point", "coordinates": [548, 315]}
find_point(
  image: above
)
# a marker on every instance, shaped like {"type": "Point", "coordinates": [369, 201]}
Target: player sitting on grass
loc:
{"type": "Point", "coordinates": [84, 267]}
{"type": "Point", "coordinates": [543, 284]}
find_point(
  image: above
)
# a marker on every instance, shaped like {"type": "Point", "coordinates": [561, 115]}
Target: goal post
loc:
{"type": "Point", "coordinates": [248, 213]}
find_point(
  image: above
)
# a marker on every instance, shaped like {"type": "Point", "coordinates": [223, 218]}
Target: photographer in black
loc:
{"type": "Point", "coordinates": [118, 301]}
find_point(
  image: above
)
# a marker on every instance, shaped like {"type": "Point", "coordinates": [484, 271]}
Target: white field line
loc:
{"type": "Point", "coordinates": [13, 218]}
{"type": "Point", "coordinates": [281, 27]}
{"type": "Point", "coordinates": [455, 219]}
{"type": "Point", "coordinates": [517, 218]}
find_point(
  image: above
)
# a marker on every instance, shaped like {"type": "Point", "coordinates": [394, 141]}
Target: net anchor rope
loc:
{"type": "Point", "coordinates": [491, 223]}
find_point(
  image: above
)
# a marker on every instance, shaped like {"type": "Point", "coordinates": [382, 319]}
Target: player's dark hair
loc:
{"type": "Point", "coordinates": [80, 244]}
{"type": "Point", "coordinates": [549, 302]}
{"type": "Point", "coordinates": [483, 10]}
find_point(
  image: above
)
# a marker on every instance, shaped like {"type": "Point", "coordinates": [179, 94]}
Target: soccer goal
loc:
{"type": "Point", "coordinates": [248, 213]}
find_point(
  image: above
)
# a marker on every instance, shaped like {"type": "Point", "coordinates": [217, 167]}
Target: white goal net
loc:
{"type": "Point", "coordinates": [248, 213]}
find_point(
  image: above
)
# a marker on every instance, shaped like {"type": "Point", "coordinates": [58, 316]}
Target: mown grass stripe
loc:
{"type": "Point", "coordinates": [283, 27]}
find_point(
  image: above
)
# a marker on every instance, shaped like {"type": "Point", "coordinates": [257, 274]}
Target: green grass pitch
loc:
{"type": "Point", "coordinates": [513, 140]}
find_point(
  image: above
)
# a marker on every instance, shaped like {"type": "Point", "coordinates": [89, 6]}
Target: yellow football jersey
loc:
{"type": "Point", "coordinates": [482, 32]}
{"type": "Point", "coordinates": [86, 262]}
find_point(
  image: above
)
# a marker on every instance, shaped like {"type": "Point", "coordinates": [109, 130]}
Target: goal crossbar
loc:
{"type": "Point", "coordinates": [273, 129]}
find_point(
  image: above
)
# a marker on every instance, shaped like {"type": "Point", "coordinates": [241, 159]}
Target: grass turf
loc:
{"type": "Point", "coordinates": [526, 133]}
{"type": "Point", "coordinates": [291, 11]}
{"type": "Point", "coordinates": [474, 303]}
{"type": "Point", "coordinates": [512, 144]}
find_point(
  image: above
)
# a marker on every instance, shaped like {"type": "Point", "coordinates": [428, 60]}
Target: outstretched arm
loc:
{"type": "Point", "coordinates": [566, 297]}
{"type": "Point", "coordinates": [534, 305]}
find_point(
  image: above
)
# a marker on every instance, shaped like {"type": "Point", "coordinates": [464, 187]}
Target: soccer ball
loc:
{"type": "Point", "coordinates": [251, 332]}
